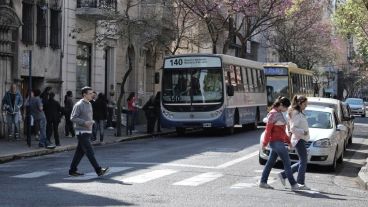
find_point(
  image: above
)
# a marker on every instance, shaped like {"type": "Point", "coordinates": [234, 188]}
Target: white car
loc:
{"type": "Point", "coordinates": [326, 144]}
{"type": "Point", "coordinates": [342, 117]}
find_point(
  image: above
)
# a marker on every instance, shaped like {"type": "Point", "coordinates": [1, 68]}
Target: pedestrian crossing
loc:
{"type": "Point", "coordinates": [129, 175]}
{"type": "Point", "coordinates": [200, 179]}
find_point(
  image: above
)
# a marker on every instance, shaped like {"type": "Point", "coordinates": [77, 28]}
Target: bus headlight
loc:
{"type": "Point", "coordinates": [167, 114]}
{"type": "Point", "coordinates": [216, 113]}
{"type": "Point", "coordinates": [219, 112]}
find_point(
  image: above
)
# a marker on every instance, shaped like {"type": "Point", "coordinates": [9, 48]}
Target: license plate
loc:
{"type": "Point", "coordinates": [207, 124]}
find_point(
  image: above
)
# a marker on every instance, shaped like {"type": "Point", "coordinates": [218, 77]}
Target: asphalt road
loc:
{"type": "Point", "coordinates": [195, 170]}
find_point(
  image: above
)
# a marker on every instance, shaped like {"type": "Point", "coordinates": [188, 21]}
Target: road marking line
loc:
{"type": "Point", "coordinates": [36, 174]}
{"type": "Point", "coordinates": [168, 164]}
{"type": "Point", "coordinates": [272, 172]}
{"type": "Point", "coordinates": [145, 177]}
{"type": "Point", "coordinates": [92, 175]}
{"type": "Point", "coordinates": [200, 179]}
{"type": "Point", "coordinates": [243, 185]}
{"type": "Point", "coordinates": [241, 159]}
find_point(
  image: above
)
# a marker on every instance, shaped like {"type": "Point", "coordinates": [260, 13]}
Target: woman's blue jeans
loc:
{"type": "Point", "coordinates": [301, 166]}
{"type": "Point", "coordinates": [278, 149]}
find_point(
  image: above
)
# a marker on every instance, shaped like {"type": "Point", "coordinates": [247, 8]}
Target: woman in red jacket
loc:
{"type": "Point", "coordinates": [276, 137]}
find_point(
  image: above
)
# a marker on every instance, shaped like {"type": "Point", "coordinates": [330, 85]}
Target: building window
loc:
{"type": "Point", "coordinates": [41, 25]}
{"type": "Point", "coordinates": [27, 19]}
{"type": "Point", "coordinates": [83, 70]}
{"type": "Point", "coordinates": [55, 29]}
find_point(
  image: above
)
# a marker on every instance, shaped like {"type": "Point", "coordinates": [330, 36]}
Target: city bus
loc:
{"type": "Point", "coordinates": [211, 91]}
{"type": "Point", "coordinates": [286, 79]}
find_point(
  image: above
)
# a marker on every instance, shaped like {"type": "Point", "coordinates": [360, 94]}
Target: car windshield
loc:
{"type": "Point", "coordinates": [329, 105]}
{"type": "Point", "coordinates": [354, 101]}
{"type": "Point", "coordinates": [319, 119]}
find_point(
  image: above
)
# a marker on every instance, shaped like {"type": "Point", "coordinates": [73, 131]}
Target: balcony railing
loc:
{"type": "Point", "coordinates": [98, 9]}
{"type": "Point", "coordinates": [100, 4]}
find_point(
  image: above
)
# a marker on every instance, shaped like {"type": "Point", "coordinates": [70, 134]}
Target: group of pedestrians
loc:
{"type": "Point", "coordinates": [294, 132]}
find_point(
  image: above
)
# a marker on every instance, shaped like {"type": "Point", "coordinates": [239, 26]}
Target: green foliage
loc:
{"type": "Point", "coordinates": [351, 19]}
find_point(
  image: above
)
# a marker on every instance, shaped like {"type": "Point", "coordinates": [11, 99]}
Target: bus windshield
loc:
{"type": "Point", "coordinates": [276, 86]}
{"type": "Point", "coordinates": [192, 86]}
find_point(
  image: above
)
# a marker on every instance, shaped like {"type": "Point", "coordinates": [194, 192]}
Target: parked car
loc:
{"type": "Point", "coordinates": [326, 144]}
{"type": "Point", "coordinates": [343, 118]}
{"type": "Point", "coordinates": [357, 106]}
{"type": "Point", "coordinates": [350, 124]}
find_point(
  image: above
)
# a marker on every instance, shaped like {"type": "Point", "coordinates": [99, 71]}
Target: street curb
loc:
{"type": "Point", "coordinates": [40, 152]}
{"type": "Point", "coordinates": [363, 176]}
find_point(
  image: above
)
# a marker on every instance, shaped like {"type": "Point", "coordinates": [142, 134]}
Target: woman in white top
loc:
{"type": "Point", "coordinates": [299, 132]}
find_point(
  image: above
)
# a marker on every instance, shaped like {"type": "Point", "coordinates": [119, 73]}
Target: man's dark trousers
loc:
{"type": "Point", "coordinates": [84, 147]}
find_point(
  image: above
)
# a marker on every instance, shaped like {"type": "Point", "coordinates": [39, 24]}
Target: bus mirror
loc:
{"type": "Point", "coordinates": [230, 90]}
{"type": "Point", "coordinates": [157, 77]}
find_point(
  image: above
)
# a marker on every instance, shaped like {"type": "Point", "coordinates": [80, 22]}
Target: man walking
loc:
{"type": "Point", "coordinates": [11, 103]}
{"type": "Point", "coordinates": [82, 116]}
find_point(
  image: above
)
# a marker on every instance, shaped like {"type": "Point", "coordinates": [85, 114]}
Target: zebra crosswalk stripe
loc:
{"type": "Point", "coordinates": [145, 177]}
{"type": "Point", "coordinates": [36, 174]}
{"type": "Point", "coordinates": [200, 179]}
{"type": "Point", "coordinates": [93, 175]}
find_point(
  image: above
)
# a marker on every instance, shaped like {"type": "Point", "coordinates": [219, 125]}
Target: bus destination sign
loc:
{"type": "Point", "coordinates": [275, 71]}
{"type": "Point", "coordinates": [193, 62]}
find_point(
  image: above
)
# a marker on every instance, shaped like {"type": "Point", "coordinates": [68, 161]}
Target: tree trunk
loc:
{"type": "Point", "coordinates": [243, 50]}
{"type": "Point", "coordinates": [122, 92]}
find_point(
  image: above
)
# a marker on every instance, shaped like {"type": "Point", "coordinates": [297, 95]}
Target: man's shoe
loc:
{"type": "Point", "coordinates": [282, 179]}
{"type": "Point", "coordinates": [264, 185]}
{"type": "Point", "coordinates": [103, 171]}
{"type": "Point", "coordinates": [75, 173]}
{"type": "Point", "coordinates": [41, 145]}
{"type": "Point", "coordinates": [50, 146]}
{"type": "Point", "coordinates": [304, 187]}
{"type": "Point", "coordinates": [296, 187]}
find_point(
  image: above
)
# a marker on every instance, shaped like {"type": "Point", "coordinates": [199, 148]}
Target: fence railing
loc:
{"type": "Point", "coordinates": [101, 4]}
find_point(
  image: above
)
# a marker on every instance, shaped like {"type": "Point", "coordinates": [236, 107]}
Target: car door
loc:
{"type": "Point", "coordinates": [340, 136]}
{"type": "Point", "coordinates": [343, 121]}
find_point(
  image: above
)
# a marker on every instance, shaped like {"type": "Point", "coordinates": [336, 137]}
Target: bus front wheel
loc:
{"type": "Point", "coordinates": [180, 131]}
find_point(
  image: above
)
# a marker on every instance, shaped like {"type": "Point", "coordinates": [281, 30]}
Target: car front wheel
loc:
{"type": "Point", "coordinates": [261, 160]}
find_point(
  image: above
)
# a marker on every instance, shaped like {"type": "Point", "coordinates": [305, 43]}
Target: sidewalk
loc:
{"type": "Point", "coordinates": [12, 150]}
{"type": "Point", "coordinates": [362, 131]}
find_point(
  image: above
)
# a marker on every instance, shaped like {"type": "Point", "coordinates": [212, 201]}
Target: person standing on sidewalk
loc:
{"type": "Point", "coordinates": [158, 110]}
{"type": "Point", "coordinates": [53, 114]}
{"type": "Point", "coordinates": [132, 111]}
{"type": "Point", "coordinates": [39, 116]}
{"type": "Point", "coordinates": [100, 114]}
{"type": "Point", "coordinates": [299, 130]}
{"type": "Point", "coordinates": [94, 111]}
{"type": "Point", "coordinates": [82, 116]}
{"type": "Point", "coordinates": [275, 135]}
{"type": "Point", "coordinates": [11, 103]}
{"type": "Point", "coordinates": [150, 112]}
{"type": "Point", "coordinates": [68, 107]}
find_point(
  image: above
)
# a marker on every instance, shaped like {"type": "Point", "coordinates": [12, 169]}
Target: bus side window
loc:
{"type": "Point", "coordinates": [239, 78]}
{"type": "Point", "coordinates": [227, 75]}
{"type": "Point", "coordinates": [255, 81]}
{"type": "Point", "coordinates": [233, 77]}
{"type": "Point", "coordinates": [259, 81]}
{"type": "Point", "coordinates": [245, 79]}
{"type": "Point", "coordinates": [250, 79]}
{"type": "Point", "coordinates": [263, 81]}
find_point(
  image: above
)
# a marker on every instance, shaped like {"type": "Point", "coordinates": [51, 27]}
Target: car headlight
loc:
{"type": "Point", "coordinates": [322, 143]}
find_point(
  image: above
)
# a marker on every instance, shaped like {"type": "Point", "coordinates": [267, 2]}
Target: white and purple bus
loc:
{"type": "Point", "coordinates": [212, 91]}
